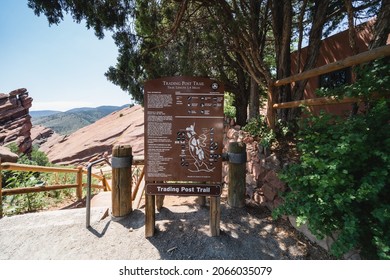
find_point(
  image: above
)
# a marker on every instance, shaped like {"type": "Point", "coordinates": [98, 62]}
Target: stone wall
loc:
{"type": "Point", "coordinates": [262, 183]}
{"type": "Point", "coordinates": [15, 121]}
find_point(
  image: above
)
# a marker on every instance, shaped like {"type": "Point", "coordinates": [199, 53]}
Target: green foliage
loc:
{"type": "Point", "coordinates": [341, 186]}
{"type": "Point", "coordinates": [258, 128]}
{"type": "Point", "coordinates": [378, 71]}
{"type": "Point", "coordinates": [342, 183]}
{"type": "Point", "coordinates": [228, 109]}
{"type": "Point", "coordinates": [16, 204]}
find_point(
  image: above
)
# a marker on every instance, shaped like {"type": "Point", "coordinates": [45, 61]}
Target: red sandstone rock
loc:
{"type": "Point", "coordinates": [122, 127]}
{"type": "Point", "coordinates": [7, 156]}
{"type": "Point", "coordinates": [15, 121]}
{"type": "Point", "coordinates": [269, 192]}
{"type": "Point", "coordinates": [273, 179]}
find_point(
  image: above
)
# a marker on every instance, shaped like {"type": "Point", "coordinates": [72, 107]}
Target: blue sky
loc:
{"type": "Point", "coordinates": [62, 67]}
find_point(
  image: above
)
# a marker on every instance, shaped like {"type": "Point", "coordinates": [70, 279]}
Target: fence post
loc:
{"type": "Point", "coordinates": [237, 174]}
{"type": "Point", "coordinates": [270, 107]}
{"type": "Point", "coordinates": [121, 180]}
{"type": "Point", "coordinates": [1, 194]}
{"type": "Point", "coordinates": [150, 215]}
{"type": "Point", "coordinates": [215, 215]}
{"type": "Point", "coordinates": [79, 182]}
{"type": "Point", "coordinates": [104, 183]}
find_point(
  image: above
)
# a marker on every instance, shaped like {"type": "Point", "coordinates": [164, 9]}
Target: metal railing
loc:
{"type": "Point", "coordinates": [89, 182]}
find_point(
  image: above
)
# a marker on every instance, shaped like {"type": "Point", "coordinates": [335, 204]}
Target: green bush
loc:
{"type": "Point", "coordinates": [258, 128]}
{"type": "Point", "coordinates": [228, 109]}
{"type": "Point", "coordinates": [341, 186]}
{"type": "Point", "coordinates": [342, 183]}
{"type": "Point", "coordinates": [372, 78]}
{"type": "Point", "coordinates": [16, 204]}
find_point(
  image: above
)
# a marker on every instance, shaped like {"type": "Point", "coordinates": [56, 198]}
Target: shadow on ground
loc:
{"type": "Point", "coordinates": [182, 233]}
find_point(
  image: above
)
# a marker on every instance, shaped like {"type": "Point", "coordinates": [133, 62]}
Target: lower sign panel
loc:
{"type": "Point", "coordinates": [183, 189]}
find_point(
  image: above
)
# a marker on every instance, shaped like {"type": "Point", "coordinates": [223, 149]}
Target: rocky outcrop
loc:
{"type": "Point", "coordinates": [15, 121]}
{"type": "Point", "coordinates": [90, 142]}
{"type": "Point", "coordinates": [7, 156]}
{"type": "Point", "coordinates": [41, 134]}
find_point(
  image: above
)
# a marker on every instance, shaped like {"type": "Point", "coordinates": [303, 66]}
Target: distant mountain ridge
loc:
{"type": "Point", "coordinates": [42, 113]}
{"type": "Point", "coordinates": [67, 122]}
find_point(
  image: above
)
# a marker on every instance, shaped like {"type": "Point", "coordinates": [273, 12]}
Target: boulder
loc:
{"type": "Point", "coordinates": [7, 156]}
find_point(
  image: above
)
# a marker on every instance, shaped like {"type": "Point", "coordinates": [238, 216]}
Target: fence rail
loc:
{"type": "Point", "coordinates": [31, 168]}
{"type": "Point", "coordinates": [347, 62]}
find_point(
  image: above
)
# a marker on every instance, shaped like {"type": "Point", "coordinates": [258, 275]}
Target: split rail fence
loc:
{"type": "Point", "coordinates": [363, 57]}
{"type": "Point", "coordinates": [78, 185]}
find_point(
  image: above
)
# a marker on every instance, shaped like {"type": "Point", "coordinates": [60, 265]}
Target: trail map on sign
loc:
{"type": "Point", "coordinates": [197, 151]}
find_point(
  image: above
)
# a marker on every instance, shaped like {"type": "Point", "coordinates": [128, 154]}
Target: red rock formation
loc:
{"type": "Point", "coordinates": [15, 121]}
{"type": "Point", "coordinates": [41, 134]}
{"type": "Point", "coordinates": [122, 127]}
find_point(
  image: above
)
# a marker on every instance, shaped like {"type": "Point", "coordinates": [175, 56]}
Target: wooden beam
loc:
{"type": "Point", "coordinates": [315, 102]}
{"type": "Point", "coordinates": [140, 179]}
{"type": "Point", "coordinates": [140, 191]}
{"type": "Point", "coordinates": [36, 189]}
{"type": "Point", "coordinates": [150, 215]}
{"type": "Point", "coordinates": [79, 180]}
{"type": "Point", "coordinates": [349, 61]}
{"type": "Point", "coordinates": [215, 215]}
{"type": "Point", "coordinates": [25, 167]}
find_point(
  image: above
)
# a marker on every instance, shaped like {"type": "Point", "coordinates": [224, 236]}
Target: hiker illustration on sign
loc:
{"type": "Point", "coordinates": [196, 147]}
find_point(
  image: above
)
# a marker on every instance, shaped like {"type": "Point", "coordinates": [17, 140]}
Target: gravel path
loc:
{"type": "Point", "coordinates": [182, 233]}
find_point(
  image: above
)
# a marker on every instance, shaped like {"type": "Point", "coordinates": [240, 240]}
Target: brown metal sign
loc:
{"type": "Point", "coordinates": [183, 189]}
{"type": "Point", "coordinates": [183, 129]}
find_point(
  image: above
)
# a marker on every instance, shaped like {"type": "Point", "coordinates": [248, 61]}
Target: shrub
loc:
{"type": "Point", "coordinates": [341, 186]}
{"type": "Point", "coordinates": [228, 109]}
{"type": "Point", "coordinates": [258, 128]}
{"type": "Point", "coordinates": [16, 204]}
{"type": "Point", "coordinates": [342, 182]}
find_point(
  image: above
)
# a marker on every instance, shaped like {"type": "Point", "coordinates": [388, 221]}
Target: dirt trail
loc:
{"type": "Point", "coordinates": [182, 233]}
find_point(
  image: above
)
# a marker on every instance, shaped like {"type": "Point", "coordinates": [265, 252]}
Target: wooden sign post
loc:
{"type": "Point", "coordinates": [121, 180]}
{"type": "Point", "coordinates": [183, 143]}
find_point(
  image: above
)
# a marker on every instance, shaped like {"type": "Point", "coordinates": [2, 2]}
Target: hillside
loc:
{"type": "Point", "coordinates": [65, 123]}
{"type": "Point", "coordinates": [42, 113]}
{"type": "Point", "coordinates": [121, 127]}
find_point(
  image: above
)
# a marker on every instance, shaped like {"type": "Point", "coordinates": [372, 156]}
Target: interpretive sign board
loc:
{"type": "Point", "coordinates": [183, 130]}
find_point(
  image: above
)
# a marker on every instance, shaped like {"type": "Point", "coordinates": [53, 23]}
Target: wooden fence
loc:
{"type": "Point", "coordinates": [31, 168]}
{"type": "Point", "coordinates": [347, 62]}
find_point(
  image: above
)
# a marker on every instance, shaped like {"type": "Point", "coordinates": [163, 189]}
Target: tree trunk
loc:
{"type": "Point", "coordinates": [282, 28]}
{"type": "Point", "coordinates": [254, 102]}
{"type": "Point", "coordinates": [241, 105]}
{"type": "Point", "coordinates": [315, 37]}
{"type": "Point", "coordinates": [382, 26]}
{"type": "Point", "coordinates": [241, 97]}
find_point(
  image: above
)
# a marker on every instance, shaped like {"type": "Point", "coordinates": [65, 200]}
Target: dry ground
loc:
{"type": "Point", "coordinates": [182, 233]}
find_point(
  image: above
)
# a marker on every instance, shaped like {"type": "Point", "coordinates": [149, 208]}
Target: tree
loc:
{"type": "Point", "coordinates": [231, 40]}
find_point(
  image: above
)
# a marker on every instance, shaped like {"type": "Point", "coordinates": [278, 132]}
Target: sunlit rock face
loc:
{"type": "Point", "coordinates": [15, 121]}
